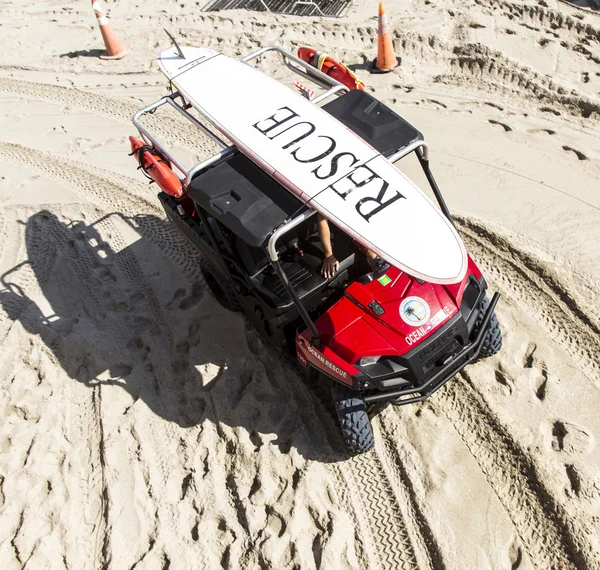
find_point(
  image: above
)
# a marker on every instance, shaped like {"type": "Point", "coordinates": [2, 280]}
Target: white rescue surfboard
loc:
{"type": "Point", "coordinates": [321, 161]}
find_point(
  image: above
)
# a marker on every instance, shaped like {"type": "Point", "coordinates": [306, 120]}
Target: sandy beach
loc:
{"type": "Point", "coordinates": [144, 426]}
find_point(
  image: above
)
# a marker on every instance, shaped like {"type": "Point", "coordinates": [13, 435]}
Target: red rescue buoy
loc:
{"type": "Point", "coordinates": [156, 167]}
{"type": "Point", "coordinates": [336, 70]}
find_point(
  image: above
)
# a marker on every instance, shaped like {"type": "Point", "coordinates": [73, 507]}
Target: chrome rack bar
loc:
{"type": "Point", "coordinates": [272, 250]}
{"type": "Point", "coordinates": [401, 153]}
{"type": "Point", "coordinates": [311, 73]}
{"type": "Point", "coordinates": [286, 227]}
{"type": "Point", "coordinates": [195, 121]}
{"type": "Point", "coordinates": [150, 138]}
{"type": "Point", "coordinates": [329, 93]}
{"type": "Point", "coordinates": [293, 62]}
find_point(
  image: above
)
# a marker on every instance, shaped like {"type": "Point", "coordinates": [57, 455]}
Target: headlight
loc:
{"type": "Point", "coordinates": [366, 360]}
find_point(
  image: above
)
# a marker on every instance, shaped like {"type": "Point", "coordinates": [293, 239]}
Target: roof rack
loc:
{"type": "Point", "coordinates": [291, 61]}
{"type": "Point", "coordinates": [308, 72]}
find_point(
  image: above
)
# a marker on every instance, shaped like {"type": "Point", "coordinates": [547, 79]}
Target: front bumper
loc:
{"type": "Point", "coordinates": [467, 355]}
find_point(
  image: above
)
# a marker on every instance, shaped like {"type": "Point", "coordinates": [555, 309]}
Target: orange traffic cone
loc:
{"type": "Point", "coordinates": [386, 59]}
{"type": "Point", "coordinates": [114, 48]}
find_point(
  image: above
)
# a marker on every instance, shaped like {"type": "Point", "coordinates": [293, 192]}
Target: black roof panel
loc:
{"type": "Point", "coordinates": [244, 198]}
{"type": "Point", "coordinates": [373, 121]}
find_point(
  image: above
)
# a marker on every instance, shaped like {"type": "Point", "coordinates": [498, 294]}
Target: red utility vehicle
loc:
{"type": "Point", "coordinates": [377, 333]}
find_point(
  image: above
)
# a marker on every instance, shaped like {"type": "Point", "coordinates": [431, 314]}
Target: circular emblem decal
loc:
{"type": "Point", "coordinates": [414, 311]}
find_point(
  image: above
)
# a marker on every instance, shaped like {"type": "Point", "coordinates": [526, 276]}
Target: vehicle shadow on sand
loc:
{"type": "Point", "coordinates": [104, 317]}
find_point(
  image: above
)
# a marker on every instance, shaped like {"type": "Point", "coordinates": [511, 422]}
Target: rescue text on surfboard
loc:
{"type": "Point", "coordinates": [321, 149]}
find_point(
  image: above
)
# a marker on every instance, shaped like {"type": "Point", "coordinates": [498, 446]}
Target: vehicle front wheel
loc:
{"type": "Point", "coordinates": [354, 420]}
{"type": "Point", "coordinates": [219, 286]}
{"type": "Point", "coordinates": [492, 343]}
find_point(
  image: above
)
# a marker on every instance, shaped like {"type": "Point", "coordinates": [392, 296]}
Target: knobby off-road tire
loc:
{"type": "Point", "coordinates": [354, 420]}
{"type": "Point", "coordinates": [492, 343]}
{"type": "Point", "coordinates": [219, 286]}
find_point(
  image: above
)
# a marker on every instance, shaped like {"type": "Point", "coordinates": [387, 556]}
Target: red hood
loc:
{"type": "Point", "coordinates": [409, 311]}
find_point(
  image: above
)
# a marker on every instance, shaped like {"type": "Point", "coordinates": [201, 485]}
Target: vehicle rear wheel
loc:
{"type": "Point", "coordinates": [354, 420]}
{"type": "Point", "coordinates": [492, 343]}
{"type": "Point", "coordinates": [219, 286]}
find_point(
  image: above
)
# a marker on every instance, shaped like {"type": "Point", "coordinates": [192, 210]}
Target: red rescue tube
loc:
{"type": "Point", "coordinates": [336, 70]}
{"type": "Point", "coordinates": [156, 167]}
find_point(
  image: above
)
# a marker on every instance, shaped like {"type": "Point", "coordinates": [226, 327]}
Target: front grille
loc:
{"type": "Point", "coordinates": [452, 346]}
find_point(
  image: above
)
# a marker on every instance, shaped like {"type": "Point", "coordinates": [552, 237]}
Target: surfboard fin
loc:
{"type": "Point", "coordinates": [179, 52]}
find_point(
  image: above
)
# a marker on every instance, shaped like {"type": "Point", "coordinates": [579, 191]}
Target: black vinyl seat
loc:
{"type": "Point", "coordinates": [302, 264]}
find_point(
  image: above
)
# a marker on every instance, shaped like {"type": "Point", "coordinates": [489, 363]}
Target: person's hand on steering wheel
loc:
{"type": "Point", "coordinates": [330, 266]}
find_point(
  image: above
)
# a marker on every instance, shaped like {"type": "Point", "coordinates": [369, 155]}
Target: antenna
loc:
{"type": "Point", "coordinates": [179, 52]}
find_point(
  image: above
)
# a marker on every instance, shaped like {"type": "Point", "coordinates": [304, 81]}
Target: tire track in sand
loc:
{"type": "Point", "coordinates": [543, 16]}
{"type": "Point", "coordinates": [478, 66]}
{"type": "Point", "coordinates": [110, 193]}
{"type": "Point", "coordinates": [383, 529]}
{"type": "Point", "coordinates": [362, 483]}
{"type": "Point", "coordinates": [43, 241]}
{"type": "Point", "coordinates": [566, 541]}
{"type": "Point", "coordinates": [367, 478]}
{"type": "Point", "coordinates": [552, 538]}
{"type": "Point", "coordinates": [175, 131]}
{"type": "Point", "coordinates": [523, 279]}
{"type": "Point", "coordinates": [417, 524]}
{"type": "Point", "coordinates": [453, 64]}
{"type": "Point", "coordinates": [98, 485]}
{"type": "Point", "coordinates": [511, 473]}
{"type": "Point", "coordinates": [113, 194]}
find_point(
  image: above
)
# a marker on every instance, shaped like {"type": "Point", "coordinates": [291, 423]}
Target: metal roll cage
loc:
{"type": "Point", "coordinates": [310, 73]}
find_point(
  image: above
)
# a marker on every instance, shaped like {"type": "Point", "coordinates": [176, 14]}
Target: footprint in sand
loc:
{"type": "Point", "coordinates": [550, 110]}
{"type": "Point", "coordinates": [138, 345]}
{"type": "Point", "coordinates": [503, 125]}
{"type": "Point", "coordinates": [544, 42]}
{"type": "Point", "coordinates": [515, 554]}
{"type": "Point", "coordinates": [547, 131]}
{"type": "Point", "coordinates": [578, 153]}
{"type": "Point", "coordinates": [528, 359]}
{"type": "Point", "coordinates": [538, 370]}
{"type": "Point", "coordinates": [177, 298]}
{"type": "Point", "coordinates": [504, 379]}
{"type": "Point", "coordinates": [435, 102]}
{"type": "Point", "coordinates": [582, 484]}
{"type": "Point", "coordinates": [193, 299]}
{"type": "Point", "coordinates": [275, 523]}
{"type": "Point", "coordinates": [541, 383]}
{"type": "Point", "coordinates": [571, 439]}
